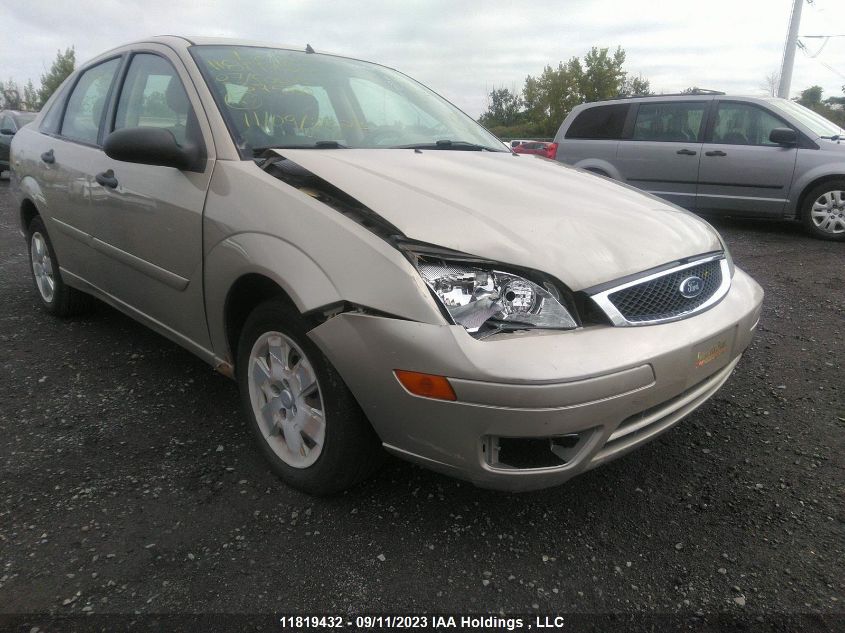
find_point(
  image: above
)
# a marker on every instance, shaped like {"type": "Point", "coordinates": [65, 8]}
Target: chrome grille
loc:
{"type": "Point", "coordinates": [660, 297]}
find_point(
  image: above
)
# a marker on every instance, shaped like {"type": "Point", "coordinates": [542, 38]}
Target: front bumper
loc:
{"type": "Point", "coordinates": [615, 387]}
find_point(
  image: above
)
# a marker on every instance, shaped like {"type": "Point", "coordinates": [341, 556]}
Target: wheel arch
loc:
{"type": "Point", "coordinates": [599, 167]}
{"type": "Point", "coordinates": [32, 201]}
{"type": "Point", "coordinates": [28, 211]}
{"type": "Point", "coordinates": [249, 268]}
{"type": "Point", "coordinates": [248, 292]}
{"type": "Point", "coordinates": [807, 188]}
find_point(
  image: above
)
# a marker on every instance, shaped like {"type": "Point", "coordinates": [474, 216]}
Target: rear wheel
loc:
{"type": "Point", "coordinates": [823, 213]}
{"type": "Point", "coordinates": [307, 422]}
{"type": "Point", "coordinates": [57, 297]}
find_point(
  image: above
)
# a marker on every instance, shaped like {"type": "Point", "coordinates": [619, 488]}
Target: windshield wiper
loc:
{"type": "Point", "coordinates": [258, 151]}
{"type": "Point", "coordinates": [447, 144]}
{"type": "Point", "coordinates": [835, 137]}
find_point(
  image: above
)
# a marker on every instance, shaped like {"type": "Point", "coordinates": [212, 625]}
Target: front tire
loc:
{"type": "Point", "coordinates": [306, 421]}
{"type": "Point", "coordinates": [56, 297]}
{"type": "Point", "coordinates": [823, 213]}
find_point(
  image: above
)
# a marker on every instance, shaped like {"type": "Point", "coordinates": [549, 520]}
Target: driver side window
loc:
{"type": "Point", "coordinates": [744, 124]}
{"type": "Point", "coordinates": [153, 96]}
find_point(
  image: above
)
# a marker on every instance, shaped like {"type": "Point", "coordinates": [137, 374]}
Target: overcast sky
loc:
{"type": "Point", "coordinates": [461, 49]}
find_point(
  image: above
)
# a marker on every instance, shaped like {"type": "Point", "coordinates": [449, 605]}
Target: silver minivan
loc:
{"type": "Point", "coordinates": [713, 153]}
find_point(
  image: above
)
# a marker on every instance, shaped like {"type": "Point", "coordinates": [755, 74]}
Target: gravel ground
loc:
{"type": "Point", "coordinates": [129, 485]}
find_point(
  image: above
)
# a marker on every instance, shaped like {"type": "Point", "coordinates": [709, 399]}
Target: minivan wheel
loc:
{"type": "Point", "coordinates": [306, 420]}
{"type": "Point", "coordinates": [57, 297]}
{"type": "Point", "coordinates": [824, 211]}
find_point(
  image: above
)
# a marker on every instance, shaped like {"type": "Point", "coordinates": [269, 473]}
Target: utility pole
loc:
{"type": "Point", "coordinates": [789, 50]}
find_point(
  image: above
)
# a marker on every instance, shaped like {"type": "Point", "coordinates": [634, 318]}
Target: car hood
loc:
{"type": "Point", "coordinates": [521, 210]}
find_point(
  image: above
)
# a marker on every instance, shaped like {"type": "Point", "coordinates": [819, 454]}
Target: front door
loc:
{"type": "Point", "coordinates": [149, 218]}
{"type": "Point", "coordinates": [662, 153]}
{"type": "Point", "coordinates": [741, 171]}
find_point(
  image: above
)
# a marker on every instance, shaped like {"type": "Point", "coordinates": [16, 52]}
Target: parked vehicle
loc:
{"type": "Point", "coordinates": [10, 122]}
{"type": "Point", "coordinates": [367, 262]}
{"type": "Point", "coordinates": [518, 141]}
{"type": "Point", "coordinates": [713, 153]}
{"type": "Point", "coordinates": [540, 148]}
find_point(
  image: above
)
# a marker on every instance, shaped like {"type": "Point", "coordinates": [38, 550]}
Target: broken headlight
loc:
{"type": "Point", "coordinates": [478, 295]}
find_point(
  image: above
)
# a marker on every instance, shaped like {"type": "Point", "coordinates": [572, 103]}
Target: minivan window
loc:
{"type": "Point", "coordinates": [599, 122]}
{"type": "Point", "coordinates": [744, 124]}
{"type": "Point", "coordinates": [153, 96]}
{"type": "Point", "coordinates": [813, 120]}
{"type": "Point", "coordinates": [678, 121]}
{"type": "Point", "coordinates": [283, 98]}
{"type": "Point", "coordinates": [85, 106]}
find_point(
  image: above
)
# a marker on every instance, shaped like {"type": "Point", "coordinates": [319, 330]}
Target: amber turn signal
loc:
{"type": "Point", "coordinates": [426, 385]}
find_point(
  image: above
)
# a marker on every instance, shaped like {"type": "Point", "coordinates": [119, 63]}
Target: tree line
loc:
{"type": "Point", "coordinates": [30, 98]}
{"type": "Point", "coordinates": [544, 101]}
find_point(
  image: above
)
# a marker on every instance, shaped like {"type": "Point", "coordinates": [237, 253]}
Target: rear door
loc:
{"type": "Point", "coordinates": [149, 218]}
{"type": "Point", "coordinates": [662, 150]}
{"type": "Point", "coordinates": [741, 170]}
{"type": "Point", "coordinates": [68, 151]}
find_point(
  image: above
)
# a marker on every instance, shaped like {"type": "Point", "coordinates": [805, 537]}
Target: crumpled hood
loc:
{"type": "Point", "coordinates": [520, 210]}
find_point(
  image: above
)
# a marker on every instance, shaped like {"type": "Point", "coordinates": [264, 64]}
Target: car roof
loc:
{"type": "Point", "coordinates": [700, 96]}
{"type": "Point", "coordinates": [185, 41]}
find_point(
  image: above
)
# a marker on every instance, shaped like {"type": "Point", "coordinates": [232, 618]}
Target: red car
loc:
{"type": "Point", "coordinates": [537, 147]}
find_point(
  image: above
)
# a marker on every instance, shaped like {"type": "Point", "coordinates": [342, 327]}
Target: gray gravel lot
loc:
{"type": "Point", "coordinates": [129, 484]}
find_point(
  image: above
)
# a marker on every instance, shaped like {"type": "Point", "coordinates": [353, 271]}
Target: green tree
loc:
{"type": "Point", "coordinates": [811, 97]}
{"type": "Point", "coordinates": [548, 98]}
{"type": "Point", "coordinates": [61, 68]}
{"type": "Point", "coordinates": [30, 97]}
{"type": "Point", "coordinates": [10, 95]}
{"type": "Point", "coordinates": [504, 109]}
{"type": "Point", "coordinates": [635, 86]}
{"type": "Point", "coordinates": [602, 77]}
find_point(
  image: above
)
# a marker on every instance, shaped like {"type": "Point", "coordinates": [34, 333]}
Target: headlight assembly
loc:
{"type": "Point", "coordinates": [478, 295]}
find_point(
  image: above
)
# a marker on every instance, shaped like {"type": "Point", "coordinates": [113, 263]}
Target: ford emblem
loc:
{"type": "Point", "coordinates": [691, 287]}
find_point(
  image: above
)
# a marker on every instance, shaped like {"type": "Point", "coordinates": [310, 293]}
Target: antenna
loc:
{"type": "Point", "coordinates": [308, 48]}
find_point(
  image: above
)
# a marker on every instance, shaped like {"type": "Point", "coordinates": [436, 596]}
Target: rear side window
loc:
{"type": "Point", "coordinates": [87, 101]}
{"type": "Point", "coordinates": [678, 121]}
{"type": "Point", "coordinates": [153, 96]}
{"type": "Point", "coordinates": [744, 124]}
{"type": "Point", "coordinates": [599, 122]}
{"type": "Point", "coordinates": [6, 124]}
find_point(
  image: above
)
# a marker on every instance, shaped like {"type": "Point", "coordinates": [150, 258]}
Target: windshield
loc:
{"type": "Point", "coordinates": [816, 122]}
{"type": "Point", "coordinates": [282, 98]}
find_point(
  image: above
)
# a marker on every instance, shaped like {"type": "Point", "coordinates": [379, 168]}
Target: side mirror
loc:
{"type": "Point", "coordinates": [7, 131]}
{"type": "Point", "coordinates": [783, 136]}
{"type": "Point", "coordinates": [151, 146]}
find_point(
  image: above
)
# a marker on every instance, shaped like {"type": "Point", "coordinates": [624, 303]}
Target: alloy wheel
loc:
{"type": "Point", "coordinates": [42, 267]}
{"type": "Point", "coordinates": [286, 399]}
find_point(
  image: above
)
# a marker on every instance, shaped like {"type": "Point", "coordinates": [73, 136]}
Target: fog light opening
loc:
{"type": "Point", "coordinates": [525, 453]}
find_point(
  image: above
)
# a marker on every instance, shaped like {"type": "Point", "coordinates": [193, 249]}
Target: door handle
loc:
{"type": "Point", "coordinates": [715, 152]}
{"type": "Point", "coordinates": [686, 152]}
{"type": "Point", "coordinates": [48, 157]}
{"type": "Point", "coordinates": [106, 179]}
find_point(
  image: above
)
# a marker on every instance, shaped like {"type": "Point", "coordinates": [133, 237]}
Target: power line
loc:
{"type": "Point", "coordinates": [803, 47]}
